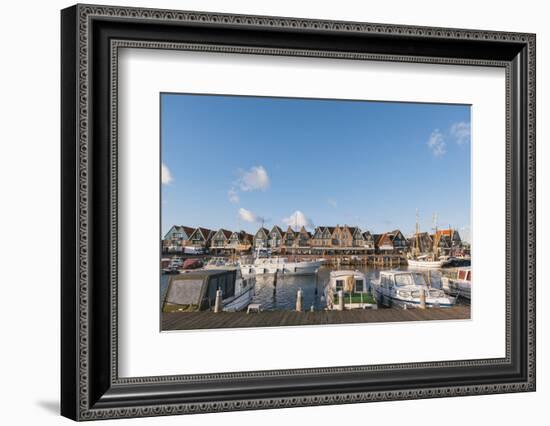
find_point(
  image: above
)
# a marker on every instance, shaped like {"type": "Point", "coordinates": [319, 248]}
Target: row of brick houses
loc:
{"type": "Point", "coordinates": [179, 237]}
{"type": "Point", "coordinates": [324, 240]}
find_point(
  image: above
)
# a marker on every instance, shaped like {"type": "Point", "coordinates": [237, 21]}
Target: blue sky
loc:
{"type": "Point", "coordinates": [231, 162]}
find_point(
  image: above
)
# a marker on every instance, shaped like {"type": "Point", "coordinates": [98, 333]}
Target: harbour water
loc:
{"type": "Point", "coordinates": [282, 296]}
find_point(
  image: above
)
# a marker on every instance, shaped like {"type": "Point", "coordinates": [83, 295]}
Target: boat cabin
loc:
{"type": "Point", "coordinates": [348, 281]}
{"type": "Point", "coordinates": [196, 290]}
{"type": "Point", "coordinates": [464, 274]}
{"type": "Point", "coordinates": [389, 279]}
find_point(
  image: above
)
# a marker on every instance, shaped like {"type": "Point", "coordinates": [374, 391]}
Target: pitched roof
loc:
{"type": "Point", "coordinates": [448, 232]}
{"type": "Point", "coordinates": [187, 229]}
{"type": "Point", "coordinates": [225, 232]}
{"type": "Point", "coordinates": [394, 233]}
{"type": "Point", "coordinates": [206, 233]}
{"type": "Point", "coordinates": [266, 231]}
{"type": "Point", "coordinates": [278, 229]}
{"type": "Point", "coordinates": [354, 229]}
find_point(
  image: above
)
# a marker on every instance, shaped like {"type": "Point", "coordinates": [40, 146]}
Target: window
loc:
{"type": "Point", "coordinates": [339, 285]}
{"type": "Point", "coordinates": [359, 285]}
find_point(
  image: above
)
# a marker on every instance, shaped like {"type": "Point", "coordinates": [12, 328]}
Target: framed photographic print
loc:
{"type": "Point", "coordinates": [263, 212]}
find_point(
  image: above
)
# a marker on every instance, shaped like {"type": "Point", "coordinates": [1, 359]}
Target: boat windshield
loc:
{"type": "Point", "coordinates": [409, 279]}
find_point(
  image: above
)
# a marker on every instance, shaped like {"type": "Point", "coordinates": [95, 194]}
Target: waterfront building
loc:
{"type": "Point", "coordinates": [276, 238]}
{"type": "Point", "coordinates": [303, 239]}
{"type": "Point", "coordinates": [368, 240]}
{"type": "Point", "coordinates": [399, 242]}
{"type": "Point", "coordinates": [221, 241]}
{"type": "Point", "coordinates": [261, 238]}
{"type": "Point", "coordinates": [448, 242]}
{"type": "Point", "coordinates": [241, 241]}
{"type": "Point", "coordinates": [322, 237]}
{"type": "Point", "coordinates": [176, 238]}
{"type": "Point", "coordinates": [201, 237]}
{"type": "Point", "coordinates": [421, 243]}
{"type": "Point", "coordinates": [288, 238]}
{"type": "Point", "coordinates": [393, 242]}
{"type": "Point", "coordinates": [358, 240]}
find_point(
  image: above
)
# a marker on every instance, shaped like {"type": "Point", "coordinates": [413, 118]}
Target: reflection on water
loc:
{"type": "Point", "coordinates": [282, 296]}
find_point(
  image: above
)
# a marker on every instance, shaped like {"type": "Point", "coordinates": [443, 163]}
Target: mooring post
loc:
{"type": "Point", "coordinates": [218, 304]}
{"type": "Point", "coordinates": [340, 300]}
{"type": "Point", "coordinates": [299, 297]}
{"type": "Point", "coordinates": [422, 298]}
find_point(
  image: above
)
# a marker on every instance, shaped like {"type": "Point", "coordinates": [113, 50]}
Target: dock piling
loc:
{"type": "Point", "coordinates": [218, 303]}
{"type": "Point", "coordinates": [340, 300]}
{"type": "Point", "coordinates": [422, 299]}
{"type": "Point", "coordinates": [299, 299]}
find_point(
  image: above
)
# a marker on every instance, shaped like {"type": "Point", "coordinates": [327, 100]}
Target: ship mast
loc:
{"type": "Point", "coordinates": [436, 237]}
{"type": "Point", "coordinates": [417, 236]}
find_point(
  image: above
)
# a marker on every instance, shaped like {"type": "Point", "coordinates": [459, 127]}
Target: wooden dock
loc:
{"type": "Point", "coordinates": [210, 320]}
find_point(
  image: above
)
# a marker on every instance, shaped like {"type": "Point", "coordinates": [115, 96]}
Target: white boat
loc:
{"type": "Point", "coordinates": [403, 289]}
{"type": "Point", "coordinates": [430, 260]}
{"type": "Point", "coordinates": [245, 287]}
{"type": "Point", "coordinates": [352, 287]}
{"type": "Point", "coordinates": [460, 285]}
{"type": "Point", "coordinates": [197, 290]}
{"type": "Point", "coordinates": [422, 262]}
{"type": "Point", "coordinates": [280, 265]}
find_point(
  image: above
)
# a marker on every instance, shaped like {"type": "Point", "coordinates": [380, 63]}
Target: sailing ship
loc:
{"type": "Point", "coordinates": [430, 260]}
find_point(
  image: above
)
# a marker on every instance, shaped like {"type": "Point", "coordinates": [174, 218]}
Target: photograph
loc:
{"type": "Point", "coordinates": [279, 211]}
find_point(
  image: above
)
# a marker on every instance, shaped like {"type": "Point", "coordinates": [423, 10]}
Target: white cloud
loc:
{"type": "Point", "coordinates": [461, 132]}
{"type": "Point", "coordinates": [254, 179]}
{"type": "Point", "coordinates": [437, 143]}
{"type": "Point", "coordinates": [165, 175]}
{"type": "Point", "coordinates": [248, 216]}
{"type": "Point", "coordinates": [297, 220]}
{"type": "Point", "coordinates": [332, 202]}
{"type": "Point", "coordinates": [233, 196]}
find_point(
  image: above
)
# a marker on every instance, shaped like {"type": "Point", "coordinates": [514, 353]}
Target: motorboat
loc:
{"type": "Point", "coordinates": [460, 285]}
{"type": "Point", "coordinates": [196, 290]}
{"type": "Point", "coordinates": [348, 289]}
{"type": "Point", "coordinates": [280, 265]}
{"type": "Point", "coordinates": [404, 288]}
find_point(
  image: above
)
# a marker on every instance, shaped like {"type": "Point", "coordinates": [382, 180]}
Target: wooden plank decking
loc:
{"type": "Point", "coordinates": [208, 320]}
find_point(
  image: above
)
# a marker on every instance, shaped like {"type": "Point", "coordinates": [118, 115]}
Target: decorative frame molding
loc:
{"type": "Point", "coordinates": [91, 37]}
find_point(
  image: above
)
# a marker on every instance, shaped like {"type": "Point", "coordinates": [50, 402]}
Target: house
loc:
{"type": "Point", "coordinates": [399, 242]}
{"type": "Point", "coordinates": [176, 238]}
{"type": "Point", "coordinates": [289, 237]}
{"type": "Point", "coordinates": [261, 238]}
{"type": "Point", "coordinates": [448, 242]}
{"type": "Point", "coordinates": [220, 242]}
{"type": "Point", "coordinates": [322, 237]}
{"type": "Point", "coordinates": [368, 241]}
{"type": "Point", "coordinates": [358, 240]}
{"type": "Point", "coordinates": [241, 241]}
{"type": "Point", "coordinates": [421, 243]}
{"type": "Point", "coordinates": [276, 238]}
{"type": "Point", "coordinates": [303, 238]}
{"type": "Point", "coordinates": [383, 243]}
{"type": "Point", "coordinates": [201, 237]}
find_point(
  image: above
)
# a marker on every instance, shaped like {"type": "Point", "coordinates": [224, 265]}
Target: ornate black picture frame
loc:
{"type": "Point", "coordinates": [91, 36]}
